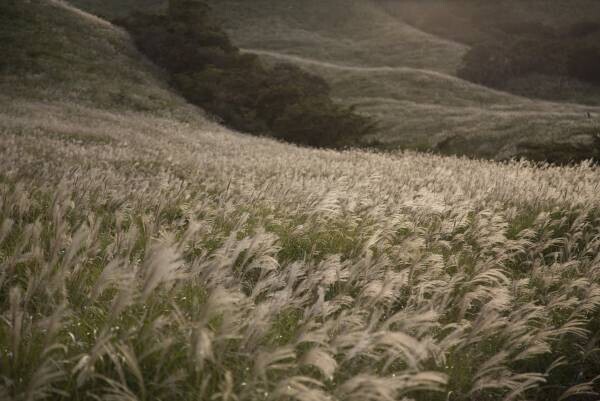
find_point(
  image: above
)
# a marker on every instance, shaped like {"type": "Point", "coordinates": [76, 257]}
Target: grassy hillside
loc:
{"type": "Point", "coordinates": [464, 21]}
{"type": "Point", "coordinates": [48, 55]}
{"type": "Point", "coordinates": [357, 33]}
{"type": "Point", "coordinates": [404, 77]}
{"type": "Point", "coordinates": [111, 9]}
{"type": "Point", "coordinates": [475, 22]}
{"type": "Point", "coordinates": [146, 254]}
{"type": "Point", "coordinates": [427, 110]}
{"type": "Point", "coordinates": [266, 23]}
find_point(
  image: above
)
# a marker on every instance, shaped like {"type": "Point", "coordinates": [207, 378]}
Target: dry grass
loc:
{"type": "Point", "coordinates": [158, 256]}
{"type": "Point", "coordinates": [144, 258]}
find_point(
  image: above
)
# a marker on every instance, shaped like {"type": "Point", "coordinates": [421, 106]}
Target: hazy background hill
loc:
{"type": "Point", "coordinates": [563, 24]}
{"type": "Point", "coordinates": [466, 20]}
{"type": "Point", "coordinates": [385, 58]}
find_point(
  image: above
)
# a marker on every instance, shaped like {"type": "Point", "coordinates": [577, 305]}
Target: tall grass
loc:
{"type": "Point", "coordinates": [146, 259]}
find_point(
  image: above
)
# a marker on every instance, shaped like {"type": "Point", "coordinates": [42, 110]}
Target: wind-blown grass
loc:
{"type": "Point", "coordinates": [180, 261]}
{"type": "Point", "coordinates": [158, 256]}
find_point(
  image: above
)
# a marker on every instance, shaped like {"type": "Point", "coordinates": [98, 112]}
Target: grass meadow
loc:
{"type": "Point", "coordinates": [151, 254]}
{"type": "Point", "coordinates": [145, 258]}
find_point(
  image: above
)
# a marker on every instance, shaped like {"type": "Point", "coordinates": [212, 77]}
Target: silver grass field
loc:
{"type": "Point", "coordinates": [145, 258]}
{"type": "Point", "coordinates": [155, 255]}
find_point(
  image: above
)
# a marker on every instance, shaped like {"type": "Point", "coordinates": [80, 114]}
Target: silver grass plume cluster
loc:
{"type": "Point", "coordinates": [148, 259]}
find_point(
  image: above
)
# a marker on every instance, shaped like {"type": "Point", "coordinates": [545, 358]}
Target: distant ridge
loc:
{"type": "Point", "coordinates": [406, 79]}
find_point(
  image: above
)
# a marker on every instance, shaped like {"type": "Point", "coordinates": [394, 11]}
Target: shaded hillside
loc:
{"type": "Point", "coordinates": [111, 9]}
{"type": "Point", "coordinates": [549, 49]}
{"type": "Point", "coordinates": [354, 32]}
{"type": "Point", "coordinates": [282, 101]}
{"type": "Point", "coordinates": [469, 21]}
{"type": "Point", "coordinates": [53, 52]}
{"type": "Point", "coordinates": [413, 91]}
{"type": "Point", "coordinates": [405, 78]}
{"type": "Point", "coordinates": [412, 104]}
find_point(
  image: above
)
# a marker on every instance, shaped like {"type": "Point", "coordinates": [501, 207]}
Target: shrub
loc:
{"type": "Point", "coordinates": [319, 123]}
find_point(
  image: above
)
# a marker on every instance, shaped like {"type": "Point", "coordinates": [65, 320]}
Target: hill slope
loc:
{"type": "Point", "coordinates": [149, 254]}
{"type": "Point", "coordinates": [405, 78]}
{"type": "Point", "coordinates": [509, 22]}
{"type": "Point", "coordinates": [465, 21]}
{"type": "Point", "coordinates": [49, 55]}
